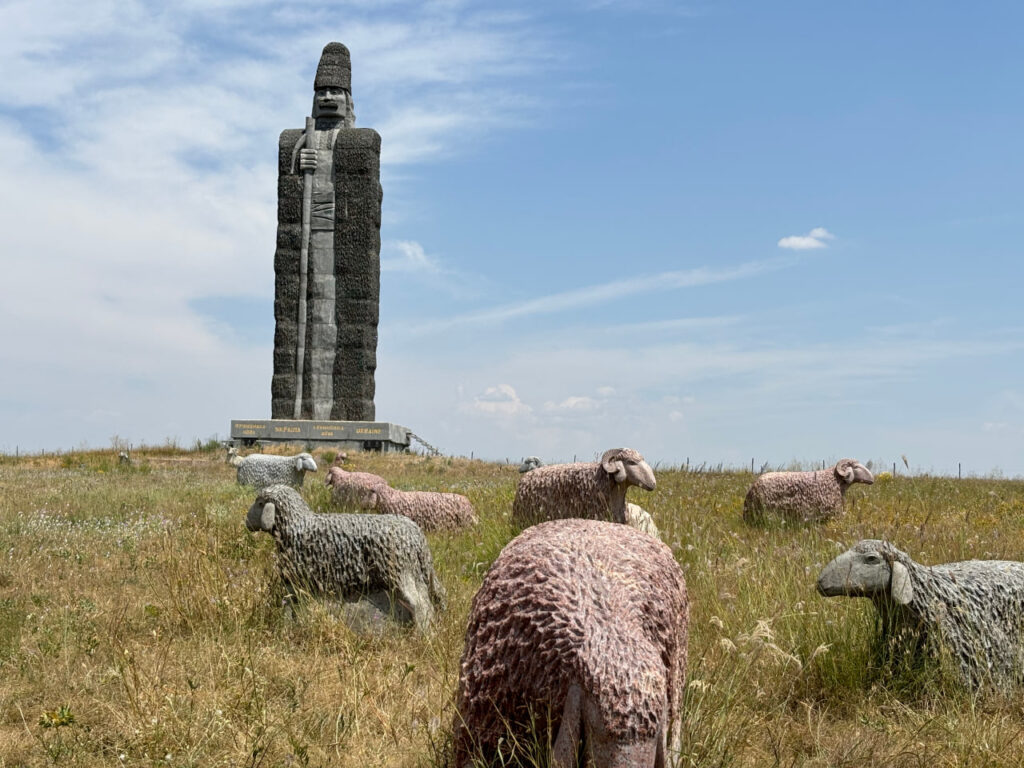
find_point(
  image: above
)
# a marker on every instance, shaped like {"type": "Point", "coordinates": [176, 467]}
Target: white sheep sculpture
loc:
{"type": "Point", "coordinates": [261, 470]}
{"type": "Point", "coordinates": [973, 609]}
{"type": "Point", "coordinates": [430, 510]}
{"type": "Point", "coordinates": [803, 496]}
{"type": "Point", "coordinates": [592, 490]}
{"type": "Point", "coordinates": [580, 624]}
{"type": "Point", "coordinates": [639, 518]}
{"type": "Point", "coordinates": [384, 560]}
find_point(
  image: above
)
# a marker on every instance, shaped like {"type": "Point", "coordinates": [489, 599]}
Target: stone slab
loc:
{"type": "Point", "coordinates": [356, 433]}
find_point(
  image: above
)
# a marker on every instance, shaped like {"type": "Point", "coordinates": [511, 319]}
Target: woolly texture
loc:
{"type": "Point", "coordinates": [803, 496]}
{"type": "Point", "coordinates": [349, 556]}
{"type": "Point", "coordinates": [639, 518]}
{"type": "Point", "coordinates": [576, 603]}
{"type": "Point", "coordinates": [334, 69]}
{"type": "Point", "coordinates": [972, 608]}
{"type": "Point", "coordinates": [430, 510]}
{"type": "Point", "coordinates": [593, 490]}
{"type": "Point", "coordinates": [261, 470]}
{"type": "Point", "coordinates": [348, 489]}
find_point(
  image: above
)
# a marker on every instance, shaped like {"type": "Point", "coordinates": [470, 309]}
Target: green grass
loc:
{"type": "Point", "coordinates": [140, 624]}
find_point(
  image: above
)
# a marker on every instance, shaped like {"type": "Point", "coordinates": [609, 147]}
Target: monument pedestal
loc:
{"type": "Point", "coordinates": [353, 435]}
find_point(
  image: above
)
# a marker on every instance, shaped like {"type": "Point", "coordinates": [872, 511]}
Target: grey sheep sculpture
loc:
{"type": "Point", "coordinates": [581, 624]}
{"type": "Point", "coordinates": [803, 496]}
{"type": "Point", "coordinates": [382, 559]}
{"type": "Point", "coordinates": [973, 609]}
{"type": "Point", "coordinates": [430, 510]}
{"type": "Point", "coordinates": [591, 490]}
{"type": "Point", "coordinates": [261, 470]}
{"type": "Point", "coordinates": [529, 464]}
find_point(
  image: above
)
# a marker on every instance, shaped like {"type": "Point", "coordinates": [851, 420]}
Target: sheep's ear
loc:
{"type": "Point", "coordinates": [901, 589]}
{"type": "Point", "coordinates": [268, 515]}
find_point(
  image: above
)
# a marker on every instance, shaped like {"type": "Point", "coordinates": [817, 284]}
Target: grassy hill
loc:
{"type": "Point", "coordinates": [140, 624]}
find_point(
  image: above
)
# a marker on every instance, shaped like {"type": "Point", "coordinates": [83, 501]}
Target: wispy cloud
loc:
{"type": "Point", "coordinates": [816, 238]}
{"type": "Point", "coordinates": [604, 292]}
{"type": "Point", "coordinates": [406, 256]}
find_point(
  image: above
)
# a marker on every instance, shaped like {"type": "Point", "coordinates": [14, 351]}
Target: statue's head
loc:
{"type": "Point", "coordinates": [332, 88]}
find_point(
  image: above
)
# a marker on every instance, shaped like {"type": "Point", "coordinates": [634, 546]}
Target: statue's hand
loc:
{"type": "Point", "coordinates": [307, 159]}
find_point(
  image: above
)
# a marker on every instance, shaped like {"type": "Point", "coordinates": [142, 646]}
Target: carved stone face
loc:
{"type": "Point", "coordinates": [332, 102]}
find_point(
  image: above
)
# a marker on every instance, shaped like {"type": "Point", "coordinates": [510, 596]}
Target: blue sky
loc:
{"type": "Point", "coordinates": [723, 230]}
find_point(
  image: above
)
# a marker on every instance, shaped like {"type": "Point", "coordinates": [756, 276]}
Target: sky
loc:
{"type": "Point", "coordinates": [711, 231]}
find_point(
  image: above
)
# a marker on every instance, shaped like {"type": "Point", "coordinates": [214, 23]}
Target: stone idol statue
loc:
{"type": "Point", "coordinates": [327, 264]}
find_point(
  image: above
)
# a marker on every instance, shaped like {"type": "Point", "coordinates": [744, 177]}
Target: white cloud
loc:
{"type": "Point", "coordinates": [500, 400]}
{"type": "Point", "coordinates": [577, 403]}
{"type": "Point", "coordinates": [606, 391]}
{"type": "Point", "coordinates": [598, 294]}
{"type": "Point", "coordinates": [409, 257]}
{"type": "Point", "coordinates": [816, 238]}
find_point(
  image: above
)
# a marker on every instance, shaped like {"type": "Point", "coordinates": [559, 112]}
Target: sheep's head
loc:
{"type": "Point", "coordinates": [624, 465]}
{"type": "Point", "coordinates": [530, 463]}
{"type": "Point", "coordinates": [305, 463]}
{"type": "Point", "coordinates": [870, 568]}
{"type": "Point", "coordinates": [269, 504]}
{"type": "Point", "coordinates": [850, 471]}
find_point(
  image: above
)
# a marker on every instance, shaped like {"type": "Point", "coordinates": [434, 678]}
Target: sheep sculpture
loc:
{"type": "Point", "coordinates": [972, 609]}
{"type": "Point", "coordinates": [580, 624]}
{"type": "Point", "coordinates": [430, 510]}
{"type": "Point", "coordinates": [261, 470]}
{"type": "Point", "coordinates": [803, 496]}
{"type": "Point", "coordinates": [530, 463]}
{"type": "Point", "coordinates": [639, 518]}
{"type": "Point", "coordinates": [592, 490]}
{"type": "Point", "coordinates": [384, 560]}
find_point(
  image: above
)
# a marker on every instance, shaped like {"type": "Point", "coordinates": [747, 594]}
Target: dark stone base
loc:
{"type": "Point", "coordinates": [352, 435]}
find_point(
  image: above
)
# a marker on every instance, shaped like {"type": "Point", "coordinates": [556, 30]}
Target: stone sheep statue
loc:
{"type": "Point", "coordinates": [593, 490]}
{"type": "Point", "coordinates": [581, 624]}
{"type": "Point", "coordinates": [430, 510]}
{"type": "Point", "coordinates": [639, 518]}
{"type": "Point", "coordinates": [803, 496]}
{"type": "Point", "coordinates": [530, 463]}
{"type": "Point", "coordinates": [261, 470]}
{"type": "Point", "coordinates": [382, 559]}
{"type": "Point", "coordinates": [973, 609]}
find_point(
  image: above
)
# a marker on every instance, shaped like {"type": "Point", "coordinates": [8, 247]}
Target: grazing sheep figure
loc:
{"type": "Point", "coordinates": [261, 470]}
{"type": "Point", "coordinates": [974, 608]}
{"type": "Point", "coordinates": [384, 560]}
{"type": "Point", "coordinates": [348, 488]}
{"type": "Point", "coordinates": [803, 496]}
{"type": "Point", "coordinates": [430, 510]}
{"type": "Point", "coordinates": [593, 490]}
{"type": "Point", "coordinates": [529, 463]}
{"type": "Point", "coordinates": [639, 518]}
{"type": "Point", "coordinates": [581, 624]}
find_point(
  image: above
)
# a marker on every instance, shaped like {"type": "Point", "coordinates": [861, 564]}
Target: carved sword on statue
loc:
{"type": "Point", "coordinates": [307, 205]}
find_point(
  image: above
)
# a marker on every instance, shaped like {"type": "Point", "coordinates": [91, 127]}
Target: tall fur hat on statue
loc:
{"type": "Point", "coordinates": [335, 68]}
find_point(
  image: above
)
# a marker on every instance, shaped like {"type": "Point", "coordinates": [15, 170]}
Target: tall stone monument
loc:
{"type": "Point", "coordinates": [327, 263]}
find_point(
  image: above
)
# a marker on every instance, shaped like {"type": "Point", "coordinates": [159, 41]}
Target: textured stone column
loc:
{"type": "Point", "coordinates": [343, 263]}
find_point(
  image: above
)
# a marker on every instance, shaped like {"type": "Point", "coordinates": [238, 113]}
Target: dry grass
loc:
{"type": "Point", "coordinates": [139, 625]}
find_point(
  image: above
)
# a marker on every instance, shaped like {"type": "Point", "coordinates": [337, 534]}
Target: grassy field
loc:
{"type": "Point", "coordinates": [140, 624]}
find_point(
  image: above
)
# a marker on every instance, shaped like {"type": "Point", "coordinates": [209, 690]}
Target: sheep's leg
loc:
{"type": "Point", "coordinates": [567, 743]}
